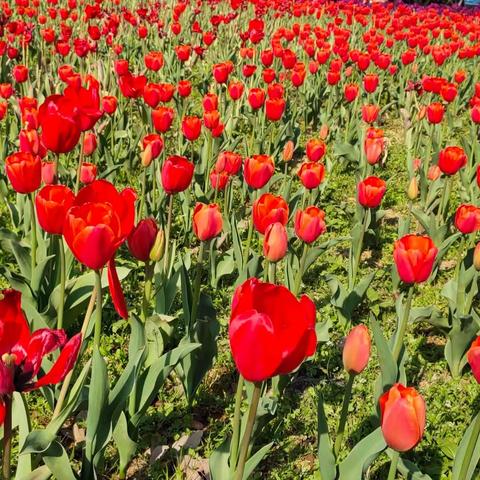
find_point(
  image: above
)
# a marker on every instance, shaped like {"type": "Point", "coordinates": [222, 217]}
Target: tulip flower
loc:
{"type": "Point", "coordinates": [89, 144]}
{"type": "Point", "coordinates": [370, 113]}
{"type": "Point", "coordinates": [230, 162]}
{"type": "Point", "coordinates": [467, 218]}
{"type": "Point", "coordinates": [315, 149]}
{"type": "Point", "coordinates": [21, 357]}
{"type": "Point", "coordinates": [191, 127]}
{"type": "Point", "coordinates": [435, 112]}
{"type": "Point", "coordinates": [310, 224]}
{"type": "Point", "coordinates": [402, 417]}
{"type": "Point", "coordinates": [207, 221]}
{"type": "Point", "coordinates": [52, 203]}
{"type": "Point", "coordinates": [24, 171]}
{"type": "Point", "coordinates": [373, 145]}
{"type": "Point", "coordinates": [88, 173]}
{"type": "Point", "coordinates": [451, 160]}
{"type": "Point", "coordinates": [275, 242]}
{"type": "Point", "coordinates": [141, 239]}
{"type": "Point", "coordinates": [268, 209]}
{"type": "Point", "coordinates": [274, 108]}
{"type": "Point", "coordinates": [162, 118]}
{"type": "Point", "coordinates": [177, 174]}
{"type": "Point", "coordinates": [414, 257]}
{"type": "Point", "coordinates": [311, 174]}
{"type": "Point", "coordinates": [370, 192]}
{"type": "Point", "coordinates": [257, 170]}
{"type": "Point", "coordinates": [48, 172]}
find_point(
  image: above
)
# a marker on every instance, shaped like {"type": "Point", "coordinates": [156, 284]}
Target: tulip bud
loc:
{"type": "Point", "coordinates": [476, 257]}
{"type": "Point", "coordinates": [434, 173]}
{"type": "Point", "coordinates": [412, 191]}
{"type": "Point", "coordinates": [89, 144]}
{"type": "Point", "coordinates": [288, 151]}
{"type": "Point", "coordinates": [142, 239]}
{"type": "Point", "coordinates": [275, 243]}
{"type": "Point", "coordinates": [158, 249]}
{"type": "Point", "coordinates": [48, 173]}
{"type": "Point", "coordinates": [88, 173]}
{"type": "Point", "coordinates": [356, 350]}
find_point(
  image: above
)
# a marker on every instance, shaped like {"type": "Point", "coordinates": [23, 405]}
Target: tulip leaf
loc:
{"type": "Point", "coordinates": [362, 455]}
{"type": "Point", "coordinates": [388, 365]}
{"type": "Point", "coordinates": [218, 461]}
{"type": "Point", "coordinates": [125, 445]}
{"type": "Point", "coordinates": [431, 315]}
{"type": "Point", "coordinates": [326, 458]}
{"type": "Point", "coordinates": [56, 459]}
{"type": "Point", "coordinates": [151, 379]}
{"type": "Point", "coordinates": [40, 473]}
{"type": "Point", "coordinates": [470, 439]}
{"type": "Point", "coordinates": [20, 418]}
{"type": "Point", "coordinates": [237, 245]}
{"type": "Point", "coordinates": [255, 459]}
{"type": "Point", "coordinates": [98, 418]}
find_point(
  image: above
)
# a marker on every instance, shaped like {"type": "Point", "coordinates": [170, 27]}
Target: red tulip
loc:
{"type": "Point", "coordinates": [132, 86]}
{"type": "Point", "coordinates": [473, 358]}
{"type": "Point", "coordinates": [270, 331]}
{"type": "Point", "coordinates": [184, 88]}
{"type": "Point", "coordinates": [152, 147]}
{"type": "Point", "coordinates": [89, 144]}
{"type": "Point", "coordinates": [22, 352]}
{"type": "Point", "coordinates": [191, 127]}
{"type": "Point", "coordinates": [3, 110]}
{"type": "Point", "coordinates": [219, 180]}
{"type": "Point", "coordinates": [98, 222]}
{"type": "Point", "coordinates": [315, 149]}
{"type": "Point", "coordinates": [52, 203]}
{"type": "Point", "coordinates": [351, 92]}
{"type": "Point", "coordinates": [177, 173]}
{"type": "Point", "coordinates": [371, 191]}
{"type": "Point", "coordinates": [414, 256]}
{"type": "Point", "coordinates": [229, 162]}
{"type": "Point", "coordinates": [207, 221]}
{"type": "Point", "coordinates": [451, 160]}
{"type": "Point", "coordinates": [154, 61]}
{"type": "Point", "coordinates": [274, 108]}
{"type": "Point", "coordinates": [356, 350]}
{"type": "Point", "coordinates": [256, 98]}
{"type": "Point", "coordinates": [162, 118]}
{"type": "Point", "coordinates": [370, 113]}
{"type": "Point", "coordinates": [310, 224]}
{"type": "Point", "coordinates": [373, 145]}
{"type": "Point", "coordinates": [235, 90]}
{"type": "Point", "coordinates": [221, 71]}
{"type": "Point", "coordinates": [402, 417]}
{"type": "Point", "coordinates": [268, 209]}
{"type": "Point", "coordinates": [48, 173]}
{"type": "Point", "coordinates": [88, 173]}
{"type": "Point", "coordinates": [141, 239]}
{"type": "Point", "coordinates": [311, 174]}
{"type": "Point", "coordinates": [370, 82]}
{"type": "Point", "coordinates": [275, 242]}
{"type": "Point", "coordinates": [435, 112]}
{"type": "Point", "coordinates": [467, 218]}
{"type": "Point", "coordinates": [6, 90]}
{"type": "Point", "coordinates": [60, 126]}
{"type": "Point", "coordinates": [85, 102]}
{"type": "Point", "coordinates": [258, 170]}
{"type": "Point", "coordinates": [109, 104]}
{"type": "Point", "coordinates": [24, 171]}
{"type": "Point", "coordinates": [20, 73]}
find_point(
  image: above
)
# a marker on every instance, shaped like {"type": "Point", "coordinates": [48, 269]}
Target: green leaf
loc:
{"type": "Point", "coordinates": [57, 461]}
{"type": "Point", "coordinates": [153, 377]}
{"type": "Point", "coordinates": [362, 455]}
{"type": "Point", "coordinates": [126, 446]}
{"type": "Point", "coordinates": [388, 365]}
{"type": "Point", "coordinates": [218, 462]}
{"type": "Point", "coordinates": [408, 469]}
{"type": "Point", "coordinates": [40, 473]}
{"type": "Point", "coordinates": [255, 459]}
{"type": "Point", "coordinates": [326, 458]}
{"type": "Point", "coordinates": [471, 432]}
{"type": "Point", "coordinates": [21, 418]}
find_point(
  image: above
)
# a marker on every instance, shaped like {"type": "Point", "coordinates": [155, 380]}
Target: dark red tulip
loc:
{"type": "Point", "coordinates": [141, 239]}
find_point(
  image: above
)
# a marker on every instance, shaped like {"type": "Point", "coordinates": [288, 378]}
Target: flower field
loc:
{"type": "Point", "coordinates": [238, 239]}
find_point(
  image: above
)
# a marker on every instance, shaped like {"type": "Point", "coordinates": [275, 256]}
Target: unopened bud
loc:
{"type": "Point", "coordinates": [413, 189]}
{"type": "Point", "coordinates": [158, 249]}
{"type": "Point", "coordinates": [476, 257]}
{"type": "Point", "coordinates": [147, 156]}
{"type": "Point", "coordinates": [288, 151]}
{"type": "Point", "coordinates": [323, 134]}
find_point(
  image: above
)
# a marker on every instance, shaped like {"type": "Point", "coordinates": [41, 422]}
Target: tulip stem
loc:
{"type": "Point", "coordinates": [236, 426]}
{"type": "Point", "coordinates": [402, 327]}
{"type": "Point", "coordinates": [472, 443]}
{"type": "Point", "coordinates": [343, 415]}
{"type": "Point", "coordinates": [33, 233]}
{"type": "Point", "coordinates": [298, 278]}
{"type": "Point", "coordinates": [166, 261]}
{"type": "Point", "coordinates": [147, 291]}
{"type": "Point", "coordinates": [7, 437]}
{"type": "Point", "coordinates": [252, 414]}
{"type": "Point", "coordinates": [196, 287]}
{"type": "Point", "coordinates": [392, 473]}
{"type": "Point", "coordinates": [246, 252]}
{"type": "Point", "coordinates": [61, 305]}
{"type": "Point", "coordinates": [80, 162]}
{"type": "Point", "coordinates": [68, 378]}
{"type": "Point", "coordinates": [272, 270]}
{"type": "Point", "coordinates": [98, 318]}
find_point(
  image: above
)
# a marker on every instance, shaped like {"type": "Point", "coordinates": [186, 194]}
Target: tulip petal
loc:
{"type": "Point", "coordinates": [65, 362]}
{"type": "Point", "coordinates": [116, 290]}
{"type": "Point", "coordinates": [253, 345]}
{"type": "Point", "coordinates": [2, 412]}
